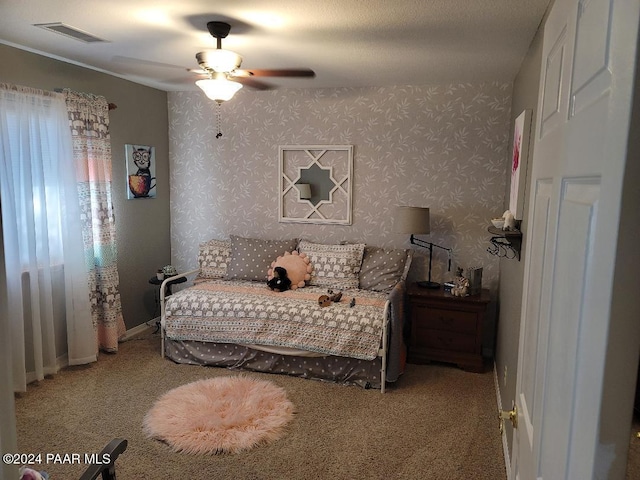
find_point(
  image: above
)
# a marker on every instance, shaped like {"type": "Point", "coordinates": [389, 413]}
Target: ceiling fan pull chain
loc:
{"type": "Point", "coordinates": [219, 134]}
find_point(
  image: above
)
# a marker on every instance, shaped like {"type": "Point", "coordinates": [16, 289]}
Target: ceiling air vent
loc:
{"type": "Point", "coordinates": [68, 31]}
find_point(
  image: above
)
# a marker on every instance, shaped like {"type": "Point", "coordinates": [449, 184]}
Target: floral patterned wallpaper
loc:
{"type": "Point", "coordinates": [437, 146]}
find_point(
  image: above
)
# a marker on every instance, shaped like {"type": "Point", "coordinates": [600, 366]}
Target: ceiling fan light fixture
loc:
{"type": "Point", "coordinates": [219, 60]}
{"type": "Point", "coordinates": [219, 89]}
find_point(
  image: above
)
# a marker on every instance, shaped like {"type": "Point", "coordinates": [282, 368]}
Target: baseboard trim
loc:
{"type": "Point", "coordinates": [505, 445]}
{"type": "Point", "coordinates": [132, 332]}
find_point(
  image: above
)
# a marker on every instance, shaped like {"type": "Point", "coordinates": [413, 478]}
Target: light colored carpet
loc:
{"type": "Point", "coordinates": [436, 422]}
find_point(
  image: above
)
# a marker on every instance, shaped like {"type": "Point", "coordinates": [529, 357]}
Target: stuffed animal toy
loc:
{"type": "Point", "coordinates": [326, 300]}
{"type": "Point", "coordinates": [460, 285]}
{"type": "Point", "coordinates": [335, 296]}
{"type": "Point", "coordinates": [298, 268]}
{"type": "Point", "coordinates": [280, 281]}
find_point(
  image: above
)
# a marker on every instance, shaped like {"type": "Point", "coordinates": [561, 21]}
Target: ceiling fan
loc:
{"type": "Point", "coordinates": [224, 72]}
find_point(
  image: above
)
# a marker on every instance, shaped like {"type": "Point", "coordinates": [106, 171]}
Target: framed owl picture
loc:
{"type": "Point", "coordinates": [141, 171]}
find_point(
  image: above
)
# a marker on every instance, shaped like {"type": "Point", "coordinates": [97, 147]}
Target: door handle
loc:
{"type": "Point", "coordinates": [511, 415]}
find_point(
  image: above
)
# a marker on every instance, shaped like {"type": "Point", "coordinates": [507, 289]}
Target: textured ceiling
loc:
{"type": "Point", "coordinates": [346, 42]}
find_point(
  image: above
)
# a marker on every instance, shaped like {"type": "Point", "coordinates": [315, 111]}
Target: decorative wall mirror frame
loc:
{"type": "Point", "coordinates": [315, 184]}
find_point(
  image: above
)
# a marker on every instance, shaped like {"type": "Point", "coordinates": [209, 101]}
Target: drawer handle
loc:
{"type": "Point", "coordinates": [446, 320]}
{"type": "Point", "coordinates": [446, 341]}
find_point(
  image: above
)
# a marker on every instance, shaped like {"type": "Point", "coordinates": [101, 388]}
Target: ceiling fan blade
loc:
{"type": "Point", "coordinates": [262, 72]}
{"type": "Point", "coordinates": [250, 82]}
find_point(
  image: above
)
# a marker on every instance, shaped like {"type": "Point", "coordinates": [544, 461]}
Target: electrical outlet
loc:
{"type": "Point", "coordinates": [504, 378]}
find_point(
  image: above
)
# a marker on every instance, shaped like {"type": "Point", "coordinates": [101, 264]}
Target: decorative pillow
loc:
{"type": "Point", "coordinates": [382, 268]}
{"type": "Point", "coordinates": [213, 258]}
{"type": "Point", "coordinates": [334, 266]}
{"type": "Point", "coordinates": [251, 257]}
{"type": "Point", "coordinates": [297, 267]}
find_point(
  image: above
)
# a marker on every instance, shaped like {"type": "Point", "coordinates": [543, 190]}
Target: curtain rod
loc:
{"type": "Point", "coordinates": [112, 106]}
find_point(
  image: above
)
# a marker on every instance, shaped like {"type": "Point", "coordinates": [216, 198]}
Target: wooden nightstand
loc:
{"type": "Point", "coordinates": [446, 328]}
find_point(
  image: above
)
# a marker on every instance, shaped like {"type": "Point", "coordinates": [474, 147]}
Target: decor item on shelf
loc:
{"type": "Point", "coordinates": [416, 220]}
{"type": "Point", "coordinates": [509, 221]}
{"type": "Point", "coordinates": [497, 222]}
{"type": "Point", "coordinates": [160, 274]}
{"type": "Point", "coordinates": [507, 238]}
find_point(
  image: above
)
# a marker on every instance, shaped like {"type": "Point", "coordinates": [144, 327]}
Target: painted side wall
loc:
{"type": "Point", "coordinates": [525, 96]}
{"type": "Point", "coordinates": [141, 117]}
{"type": "Point", "coordinates": [619, 389]}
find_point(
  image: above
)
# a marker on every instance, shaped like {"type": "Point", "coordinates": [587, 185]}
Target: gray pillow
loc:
{"type": "Point", "coordinates": [252, 257]}
{"type": "Point", "coordinates": [382, 268]}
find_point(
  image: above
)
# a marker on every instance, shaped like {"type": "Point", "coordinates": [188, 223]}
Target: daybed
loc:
{"type": "Point", "coordinates": [230, 317]}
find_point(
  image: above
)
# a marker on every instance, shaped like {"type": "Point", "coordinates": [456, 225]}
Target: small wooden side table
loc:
{"type": "Point", "coordinates": [447, 328]}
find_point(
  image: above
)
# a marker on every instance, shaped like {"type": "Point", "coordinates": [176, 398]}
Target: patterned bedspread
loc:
{"type": "Point", "coordinates": [230, 311]}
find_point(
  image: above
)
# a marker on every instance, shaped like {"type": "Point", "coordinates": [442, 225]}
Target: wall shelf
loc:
{"type": "Point", "coordinates": [505, 243]}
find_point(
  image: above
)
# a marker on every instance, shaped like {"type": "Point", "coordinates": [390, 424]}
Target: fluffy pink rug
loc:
{"type": "Point", "coordinates": [219, 415]}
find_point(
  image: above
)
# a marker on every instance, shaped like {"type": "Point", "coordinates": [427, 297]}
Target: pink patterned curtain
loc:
{"type": "Point", "coordinates": [89, 121]}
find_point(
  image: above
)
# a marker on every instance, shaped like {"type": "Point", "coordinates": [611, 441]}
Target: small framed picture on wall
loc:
{"type": "Point", "coordinates": [519, 156]}
{"type": "Point", "coordinates": [141, 171]}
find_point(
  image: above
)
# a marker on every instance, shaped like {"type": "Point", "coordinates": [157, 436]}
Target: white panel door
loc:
{"type": "Point", "coordinates": [586, 84]}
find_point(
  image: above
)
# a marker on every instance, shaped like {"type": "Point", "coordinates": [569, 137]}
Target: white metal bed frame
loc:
{"type": "Point", "coordinates": [382, 351]}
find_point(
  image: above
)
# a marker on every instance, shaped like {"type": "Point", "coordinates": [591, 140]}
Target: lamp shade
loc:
{"type": "Point", "coordinates": [305, 190]}
{"type": "Point", "coordinates": [219, 60]}
{"type": "Point", "coordinates": [413, 220]}
{"type": "Point", "coordinates": [219, 89]}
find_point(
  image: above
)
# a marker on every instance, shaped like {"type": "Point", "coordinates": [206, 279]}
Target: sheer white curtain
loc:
{"type": "Point", "coordinates": [45, 269]}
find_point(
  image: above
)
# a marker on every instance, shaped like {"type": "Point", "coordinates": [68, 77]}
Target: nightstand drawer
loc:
{"type": "Point", "coordinates": [447, 320]}
{"type": "Point", "coordinates": [442, 340]}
